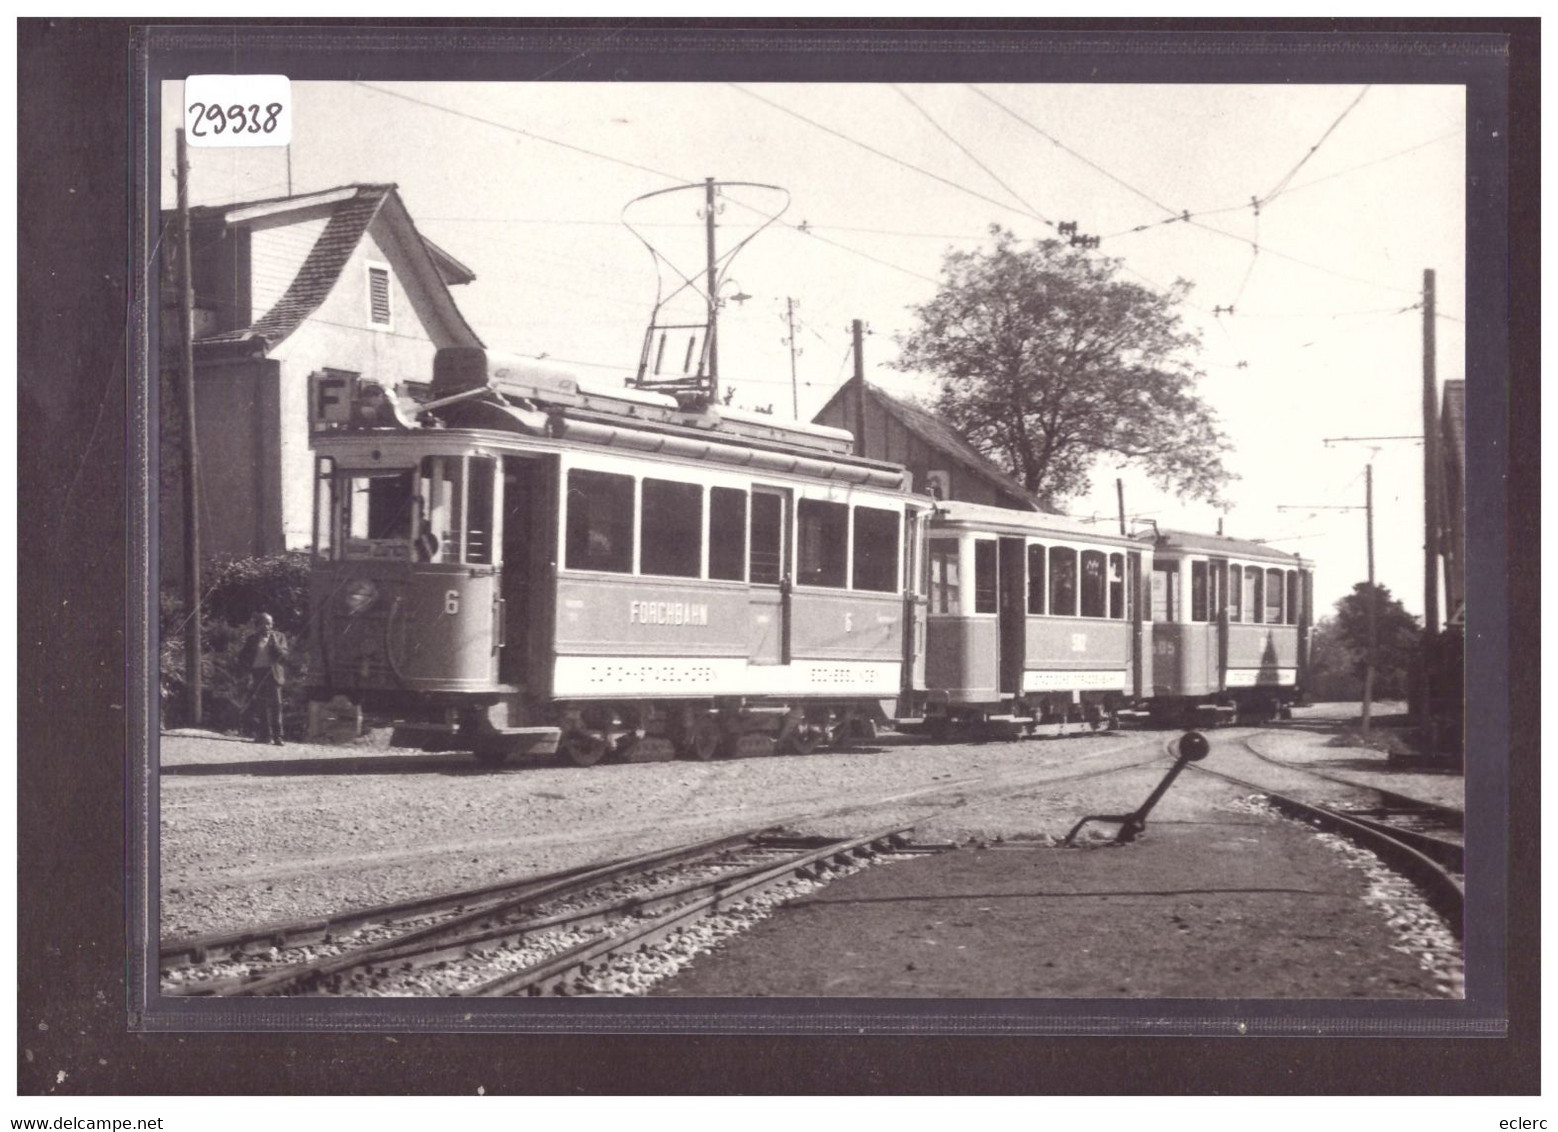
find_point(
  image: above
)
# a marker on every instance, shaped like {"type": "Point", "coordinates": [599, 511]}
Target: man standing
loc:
{"type": "Point", "coordinates": [265, 657]}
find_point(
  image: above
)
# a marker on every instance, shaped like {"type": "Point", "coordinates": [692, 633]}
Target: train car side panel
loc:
{"type": "Point", "coordinates": [961, 658]}
{"type": "Point", "coordinates": [1085, 654]}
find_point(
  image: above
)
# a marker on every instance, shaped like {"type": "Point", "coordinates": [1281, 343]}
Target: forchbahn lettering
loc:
{"type": "Point", "coordinates": [668, 613]}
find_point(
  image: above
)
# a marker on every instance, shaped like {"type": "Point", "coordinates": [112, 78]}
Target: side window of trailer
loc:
{"type": "Point", "coordinates": [1035, 578]}
{"type": "Point", "coordinates": [943, 557]}
{"type": "Point", "coordinates": [985, 576]}
{"type": "Point", "coordinates": [1254, 594]}
{"type": "Point", "coordinates": [876, 549]}
{"type": "Point", "coordinates": [1198, 591]}
{"type": "Point", "coordinates": [768, 539]}
{"type": "Point", "coordinates": [1293, 598]}
{"type": "Point", "coordinates": [599, 533]}
{"type": "Point", "coordinates": [727, 533]}
{"type": "Point", "coordinates": [671, 522]}
{"type": "Point", "coordinates": [1062, 581]}
{"type": "Point", "coordinates": [1235, 593]}
{"type": "Point", "coordinates": [1274, 597]}
{"type": "Point", "coordinates": [1117, 586]}
{"type": "Point", "coordinates": [1095, 592]}
{"type": "Point", "coordinates": [1165, 591]}
{"type": "Point", "coordinates": [822, 542]}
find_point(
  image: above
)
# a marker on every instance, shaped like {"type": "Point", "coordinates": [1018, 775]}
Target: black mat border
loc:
{"type": "Point", "coordinates": [63, 751]}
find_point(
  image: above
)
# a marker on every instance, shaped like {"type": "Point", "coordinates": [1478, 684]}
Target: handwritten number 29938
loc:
{"type": "Point", "coordinates": [234, 119]}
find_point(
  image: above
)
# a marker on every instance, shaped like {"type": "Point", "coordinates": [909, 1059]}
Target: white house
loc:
{"type": "Point", "coordinates": [284, 288]}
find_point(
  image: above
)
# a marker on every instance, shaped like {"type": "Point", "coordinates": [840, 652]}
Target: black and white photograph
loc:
{"type": "Point", "coordinates": [879, 540]}
{"type": "Point", "coordinates": [778, 559]}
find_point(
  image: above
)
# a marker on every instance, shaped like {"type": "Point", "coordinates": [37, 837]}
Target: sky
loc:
{"type": "Point", "coordinates": [1360, 189]}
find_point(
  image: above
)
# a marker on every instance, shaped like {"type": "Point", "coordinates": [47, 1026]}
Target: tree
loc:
{"type": "Point", "coordinates": [1048, 360]}
{"type": "Point", "coordinates": [1400, 636]}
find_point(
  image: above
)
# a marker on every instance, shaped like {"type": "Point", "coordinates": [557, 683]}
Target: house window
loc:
{"type": "Point", "coordinates": [378, 295]}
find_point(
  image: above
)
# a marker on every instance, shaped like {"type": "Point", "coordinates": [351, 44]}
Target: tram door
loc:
{"type": "Point", "coordinates": [768, 576]}
{"type": "Point", "coordinates": [916, 584]}
{"type": "Point", "coordinates": [529, 569]}
{"type": "Point", "coordinates": [1013, 582]}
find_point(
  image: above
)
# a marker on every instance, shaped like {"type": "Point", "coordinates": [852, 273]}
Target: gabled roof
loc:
{"type": "Point", "coordinates": [942, 437]}
{"type": "Point", "coordinates": [1454, 414]}
{"type": "Point", "coordinates": [352, 208]}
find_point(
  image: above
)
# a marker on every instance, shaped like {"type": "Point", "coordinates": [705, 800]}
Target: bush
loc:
{"type": "Point", "coordinates": [237, 589]}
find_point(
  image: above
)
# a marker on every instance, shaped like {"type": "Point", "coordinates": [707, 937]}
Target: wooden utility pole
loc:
{"type": "Point", "coordinates": [1119, 494]}
{"type": "Point", "coordinates": [795, 389]}
{"type": "Point", "coordinates": [1372, 662]}
{"type": "Point", "coordinates": [713, 285]}
{"type": "Point", "coordinates": [192, 622]}
{"type": "Point", "coordinates": [1426, 690]}
{"type": "Point", "coordinates": [858, 330]}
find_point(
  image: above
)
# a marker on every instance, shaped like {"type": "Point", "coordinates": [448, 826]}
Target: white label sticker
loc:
{"type": "Point", "coordinates": [228, 110]}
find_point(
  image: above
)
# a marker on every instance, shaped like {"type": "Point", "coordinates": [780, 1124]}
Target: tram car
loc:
{"type": "Point", "coordinates": [1231, 626]}
{"type": "Point", "coordinates": [1038, 618]}
{"type": "Point", "coordinates": [1031, 618]}
{"type": "Point", "coordinates": [525, 566]}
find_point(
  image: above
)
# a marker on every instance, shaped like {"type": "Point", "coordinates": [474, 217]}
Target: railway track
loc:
{"type": "Point", "coordinates": [1435, 864]}
{"type": "Point", "coordinates": [542, 935]}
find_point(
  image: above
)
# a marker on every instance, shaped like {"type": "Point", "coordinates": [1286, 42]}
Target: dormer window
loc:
{"type": "Point", "coordinates": [378, 295]}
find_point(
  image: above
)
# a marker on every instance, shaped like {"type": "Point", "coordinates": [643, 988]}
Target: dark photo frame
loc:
{"type": "Point", "coordinates": [77, 497]}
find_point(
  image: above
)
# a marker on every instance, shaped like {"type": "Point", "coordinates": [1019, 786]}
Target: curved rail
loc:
{"type": "Point", "coordinates": [1399, 848]}
{"type": "Point", "coordinates": [1448, 814]}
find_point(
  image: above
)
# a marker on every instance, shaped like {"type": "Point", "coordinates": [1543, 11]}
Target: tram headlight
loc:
{"type": "Point", "coordinates": [359, 595]}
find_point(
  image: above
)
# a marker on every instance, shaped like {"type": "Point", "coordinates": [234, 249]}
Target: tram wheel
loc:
{"type": "Point", "coordinates": [583, 748]}
{"type": "Point", "coordinates": [805, 739]}
{"type": "Point", "coordinates": [703, 740]}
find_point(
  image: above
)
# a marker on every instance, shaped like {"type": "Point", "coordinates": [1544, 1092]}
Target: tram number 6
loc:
{"type": "Point", "coordinates": [452, 602]}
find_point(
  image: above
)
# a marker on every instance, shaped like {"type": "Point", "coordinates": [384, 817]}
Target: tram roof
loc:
{"type": "Point", "coordinates": [1224, 545]}
{"type": "Point", "coordinates": [983, 516]}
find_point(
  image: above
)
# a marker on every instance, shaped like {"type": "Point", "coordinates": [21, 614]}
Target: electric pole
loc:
{"type": "Point", "coordinates": [795, 389]}
{"type": "Point", "coordinates": [858, 331]}
{"type": "Point", "coordinates": [192, 627]}
{"type": "Point", "coordinates": [1373, 657]}
{"type": "Point", "coordinates": [713, 285]}
{"type": "Point", "coordinates": [1427, 692]}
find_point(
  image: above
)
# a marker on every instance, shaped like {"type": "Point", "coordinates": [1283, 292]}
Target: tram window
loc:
{"type": "Point", "coordinates": [442, 517]}
{"type": "Point", "coordinates": [672, 529]}
{"type": "Point", "coordinates": [1035, 578]}
{"type": "Point", "coordinates": [727, 533]}
{"type": "Point", "coordinates": [767, 565]}
{"type": "Point", "coordinates": [985, 576]}
{"type": "Point", "coordinates": [478, 538]}
{"type": "Point", "coordinates": [876, 549]}
{"type": "Point", "coordinates": [943, 557]}
{"type": "Point", "coordinates": [1117, 586]}
{"type": "Point", "coordinates": [821, 542]}
{"type": "Point", "coordinates": [1165, 591]}
{"type": "Point", "coordinates": [1062, 581]}
{"type": "Point", "coordinates": [1293, 600]}
{"type": "Point", "coordinates": [600, 522]}
{"type": "Point", "coordinates": [1198, 602]}
{"type": "Point", "coordinates": [1273, 597]}
{"type": "Point", "coordinates": [1254, 593]}
{"type": "Point", "coordinates": [1094, 584]}
{"type": "Point", "coordinates": [1132, 585]}
{"type": "Point", "coordinates": [376, 508]}
{"type": "Point", "coordinates": [324, 506]}
{"type": "Point", "coordinates": [1235, 594]}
